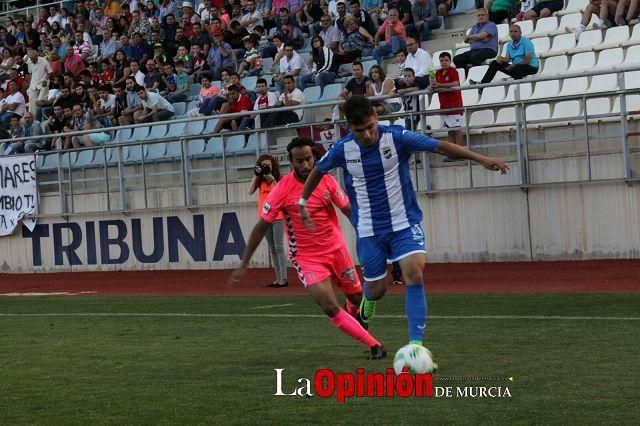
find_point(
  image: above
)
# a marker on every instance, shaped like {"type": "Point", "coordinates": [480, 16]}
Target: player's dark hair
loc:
{"type": "Point", "coordinates": [358, 109]}
{"type": "Point", "coordinates": [445, 55]}
{"type": "Point", "coordinates": [300, 142]}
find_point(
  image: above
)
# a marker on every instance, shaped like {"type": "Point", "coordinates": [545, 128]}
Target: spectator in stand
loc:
{"type": "Point", "coordinates": [420, 61]}
{"type": "Point", "coordinates": [483, 38]}
{"type": "Point", "coordinates": [308, 14]}
{"type": "Point", "coordinates": [108, 74]}
{"type": "Point", "coordinates": [40, 71]}
{"type": "Point", "coordinates": [54, 15]}
{"type": "Point", "coordinates": [355, 42]}
{"type": "Point", "coordinates": [252, 62]}
{"type": "Point", "coordinates": [329, 33]}
{"type": "Point", "coordinates": [544, 8]}
{"type": "Point", "coordinates": [341, 9]}
{"type": "Point", "coordinates": [208, 93]}
{"type": "Point", "coordinates": [291, 64]}
{"type": "Point", "coordinates": [7, 40]}
{"type": "Point", "coordinates": [182, 39]}
{"type": "Point", "coordinates": [233, 37]}
{"type": "Point", "coordinates": [121, 67]}
{"type": "Point", "coordinates": [139, 48]}
{"type": "Point", "coordinates": [445, 6]}
{"type": "Point", "coordinates": [264, 100]}
{"type": "Point", "coordinates": [15, 132]}
{"type": "Point", "coordinates": [81, 96]}
{"type": "Point", "coordinates": [499, 10]}
{"type": "Point", "coordinates": [104, 110]}
{"type": "Point", "coordinates": [139, 25]}
{"type": "Point", "coordinates": [602, 9]}
{"type": "Point", "coordinates": [357, 85]}
{"type": "Point", "coordinates": [66, 98]}
{"type": "Point", "coordinates": [6, 64]}
{"type": "Point", "coordinates": [199, 60]}
{"type": "Point", "coordinates": [519, 62]}
{"type": "Point", "coordinates": [13, 105]}
{"type": "Point", "coordinates": [363, 17]}
{"type": "Point", "coordinates": [183, 55]}
{"type": "Point", "coordinates": [155, 107]}
{"type": "Point", "coordinates": [112, 9]}
{"type": "Point", "coordinates": [626, 11]}
{"type": "Point", "coordinates": [381, 85]}
{"type": "Point", "coordinates": [138, 75]}
{"type": "Point", "coordinates": [401, 58]}
{"type": "Point", "coordinates": [107, 46]}
{"type": "Point", "coordinates": [56, 124]}
{"type": "Point", "coordinates": [201, 38]}
{"type": "Point", "coordinates": [220, 56]}
{"type": "Point", "coordinates": [253, 16]}
{"type": "Point", "coordinates": [291, 96]}
{"type": "Point", "coordinates": [83, 120]}
{"type": "Point", "coordinates": [99, 24]}
{"type": "Point", "coordinates": [447, 77]}
{"type": "Point", "coordinates": [236, 102]}
{"type": "Point", "coordinates": [134, 103]}
{"type": "Point", "coordinates": [409, 84]}
{"type": "Point", "coordinates": [404, 10]}
{"type": "Point", "coordinates": [153, 78]}
{"type": "Point", "coordinates": [375, 8]}
{"type": "Point", "coordinates": [324, 70]}
{"type": "Point", "coordinates": [394, 34]}
{"type": "Point", "coordinates": [425, 19]}
{"type": "Point", "coordinates": [29, 128]}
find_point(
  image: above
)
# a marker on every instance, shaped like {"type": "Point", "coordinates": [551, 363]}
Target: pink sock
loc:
{"type": "Point", "coordinates": [352, 327]}
{"type": "Point", "coordinates": [352, 309]}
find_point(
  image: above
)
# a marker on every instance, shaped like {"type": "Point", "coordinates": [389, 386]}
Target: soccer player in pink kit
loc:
{"type": "Point", "coordinates": [320, 257]}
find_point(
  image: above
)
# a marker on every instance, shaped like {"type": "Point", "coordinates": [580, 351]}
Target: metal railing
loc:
{"type": "Point", "coordinates": [219, 161]}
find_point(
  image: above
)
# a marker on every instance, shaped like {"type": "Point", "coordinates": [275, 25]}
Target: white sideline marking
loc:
{"type": "Point", "coordinates": [53, 293]}
{"type": "Point", "coordinates": [188, 315]}
{"type": "Point", "coordinates": [272, 306]}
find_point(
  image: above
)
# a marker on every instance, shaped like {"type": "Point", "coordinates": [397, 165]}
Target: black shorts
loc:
{"type": "Point", "coordinates": [553, 6]}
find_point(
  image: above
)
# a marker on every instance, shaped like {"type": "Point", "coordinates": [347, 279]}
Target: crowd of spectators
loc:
{"type": "Point", "coordinates": [100, 63]}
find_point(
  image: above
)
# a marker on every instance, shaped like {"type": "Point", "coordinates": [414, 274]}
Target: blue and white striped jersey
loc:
{"type": "Point", "coordinates": [377, 179]}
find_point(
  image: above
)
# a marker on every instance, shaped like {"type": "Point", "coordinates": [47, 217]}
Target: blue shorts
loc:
{"type": "Point", "coordinates": [375, 252]}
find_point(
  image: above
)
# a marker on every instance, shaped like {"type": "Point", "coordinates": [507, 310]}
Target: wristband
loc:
{"type": "Point", "coordinates": [302, 202]}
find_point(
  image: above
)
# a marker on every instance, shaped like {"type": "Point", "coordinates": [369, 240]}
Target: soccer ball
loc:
{"type": "Point", "coordinates": [416, 357]}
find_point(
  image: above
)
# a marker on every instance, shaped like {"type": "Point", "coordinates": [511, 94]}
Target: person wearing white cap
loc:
{"type": "Point", "coordinates": [187, 12]}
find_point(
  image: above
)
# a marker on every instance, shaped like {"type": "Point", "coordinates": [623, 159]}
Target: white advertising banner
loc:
{"type": "Point", "coordinates": [18, 192]}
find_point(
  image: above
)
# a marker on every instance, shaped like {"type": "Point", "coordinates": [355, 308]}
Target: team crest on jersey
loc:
{"type": "Point", "coordinates": [326, 195]}
{"type": "Point", "coordinates": [266, 208]}
{"type": "Point", "coordinates": [386, 150]}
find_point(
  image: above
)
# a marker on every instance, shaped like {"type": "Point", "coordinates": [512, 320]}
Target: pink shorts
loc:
{"type": "Point", "coordinates": [337, 265]}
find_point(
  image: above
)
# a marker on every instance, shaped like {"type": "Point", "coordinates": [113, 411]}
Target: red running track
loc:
{"type": "Point", "coordinates": [512, 277]}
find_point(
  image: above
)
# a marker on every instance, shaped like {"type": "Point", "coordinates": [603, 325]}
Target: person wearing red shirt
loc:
{"type": "Point", "coordinates": [236, 102]}
{"type": "Point", "coordinates": [448, 77]}
{"type": "Point", "coordinates": [73, 63]}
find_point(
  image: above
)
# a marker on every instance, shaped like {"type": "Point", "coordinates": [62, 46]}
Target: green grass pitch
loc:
{"type": "Point", "coordinates": [204, 369]}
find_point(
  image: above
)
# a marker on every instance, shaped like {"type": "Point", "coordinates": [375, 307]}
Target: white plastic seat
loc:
{"type": "Point", "coordinates": [603, 83]}
{"type": "Point", "coordinates": [139, 134]}
{"type": "Point", "coordinates": [462, 50]}
{"type": "Point", "coordinates": [506, 116]}
{"type": "Point", "coordinates": [476, 73]}
{"type": "Point", "coordinates": [560, 45]}
{"type": "Point", "coordinates": [571, 20]}
{"type": "Point", "coordinates": [179, 109]}
{"type": "Point", "coordinates": [312, 94]}
{"type": "Point", "coordinates": [573, 6]}
{"type": "Point", "coordinates": [483, 117]}
{"type": "Point", "coordinates": [545, 89]}
{"type": "Point", "coordinates": [470, 97]}
{"type": "Point", "coordinates": [582, 61]}
{"type": "Point", "coordinates": [194, 128]}
{"type": "Point", "coordinates": [155, 151]}
{"type": "Point", "coordinates": [235, 145]}
{"type": "Point", "coordinates": [157, 131]}
{"type": "Point", "coordinates": [209, 125]}
{"type": "Point", "coordinates": [249, 82]}
{"type": "Point", "coordinates": [492, 95]}
{"type": "Point", "coordinates": [176, 130]}
{"type": "Point", "coordinates": [632, 79]}
{"type": "Point", "coordinates": [526, 27]}
{"type": "Point", "coordinates": [596, 106]}
{"type": "Point", "coordinates": [174, 151]}
{"type": "Point", "coordinates": [574, 86]}
{"type": "Point", "coordinates": [503, 32]}
{"type": "Point", "coordinates": [537, 112]}
{"type": "Point", "coordinates": [366, 66]}
{"type": "Point", "coordinates": [123, 135]}
{"type": "Point", "coordinates": [84, 158]}
{"type": "Point", "coordinates": [588, 41]}
{"type": "Point", "coordinates": [525, 92]}
{"type": "Point", "coordinates": [632, 56]}
{"type": "Point", "coordinates": [436, 58]}
{"type": "Point", "coordinates": [610, 58]}
{"type": "Point", "coordinates": [567, 109]}
{"type": "Point", "coordinates": [615, 37]}
{"type": "Point", "coordinates": [544, 27]}
{"type": "Point", "coordinates": [635, 37]}
{"type": "Point", "coordinates": [541, 45]}
{"type": "Point", "coordinates": [196, 147]}
{"type": "Point", "coordinates": [555, 65]}
{"type": "Point", "coordinates": [331, 92]}
{"type": "Point", "coordinates": [214, 147]}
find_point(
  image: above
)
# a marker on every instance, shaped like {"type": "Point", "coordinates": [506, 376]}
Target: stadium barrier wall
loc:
{"type": "Point", "coordinates": [547, 222]}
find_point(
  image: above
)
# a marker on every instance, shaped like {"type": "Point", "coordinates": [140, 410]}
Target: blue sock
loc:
{"type": "Point", "coordinates": [416, 307]}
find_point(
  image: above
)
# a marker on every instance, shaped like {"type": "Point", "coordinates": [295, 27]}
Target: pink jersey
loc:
{"type": "Point", "coordinates": [302, 242]}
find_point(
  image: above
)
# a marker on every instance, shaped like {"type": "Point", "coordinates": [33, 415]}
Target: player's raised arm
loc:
{"type": "Point", "coordinates": [312, 182]}
{"type": "Point", "coordinates": [453, 150]}
{"type": "Point", "coordinates": [257, 234]}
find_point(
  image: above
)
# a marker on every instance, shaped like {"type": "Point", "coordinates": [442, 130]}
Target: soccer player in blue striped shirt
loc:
{"type": "Point", "coordinates": [384, 208]}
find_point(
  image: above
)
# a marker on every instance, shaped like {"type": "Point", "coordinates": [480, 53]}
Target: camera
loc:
{"type": "Point", "coordinates": [263, 170]}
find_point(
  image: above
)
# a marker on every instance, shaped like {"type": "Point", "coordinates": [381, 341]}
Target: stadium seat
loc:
{"type": "Point", "coordinates": [99, 157]}
{"type": "Point", "coordinates": [544, 27]}
{"type": "Point", "coordinates": [132, 154]}
{"type": "Point", "coordinates": [588, 41]}
{"type": "Point", "coordinates": [603, 83]}
{"type": "Point", "coordinates": [194, 128]}
{"type": "Point", "coordinates": [483, 117]}
{"type": "Point", "coordinates": [614, 37]}
{"type": "Point", "coordinates": [526, 27]}
{"type": "Point", "coordinates": [537, 112]}
{"type": "Point", "coordinates": [366, 66]}
{"type": "Point", "coordinates": [632, 56]}
{"type": "Point", "coordinates": [84, 158]}
{"type": "Point", "coordinates": [139, 134]}
{"type": "Point", "coordinates": [433, 121]}
{"type": "Point", "coordinates": [503, 32]}
{"type": "Point", "coordinates": [635, 37]}
{"type": "Point", "coordinates": [541, 45]}
{"type": "Point", "coordinates": [573, 6]}
{"type": "Point", "coordinates": [210, 124]}
{"type": "Point", "coordinates": [266, 64]}
{"type": "Point", "coordinates": [214, 147]}
{"type": "Point", "coordinates": [462, 7]}
{"type": "Point", "coordinates": [155, 151]}
{"type": "Point", "coordinates": [252, 143]}
{"type": "Point", "coordinates": [217, 83]}
{"type": "Point", "coordinates": [560, 45]}
{"type": "Point", "coordinates": [174, 151]}
{"type": "Point", "coordinates": [574, 86]}
{"type": "Point", "coordinates": [470, 97]}
{"type": "Point", "coordinates": [462, 50]}
{"type": "Point", "coordinates": [312, 94]}
{"type": "Point", "coordinates": [492, 95]}
{"type": "Point", "coordinates": [235, 145]}
{"type": "Point", "coordinates": [545, 89]}
{"type": "Point", "coordinates": [180, 108]}
{"type": "Point", "coordinates": [51, 161]}
{"type": "Point", "coordinates": [476, 74]}
{"type": "Point", "coordinates": [566, 109]}
{"type": "Point", "coordinates": [525, 92]}
{"type": "Point", "coordinates": [194, 91]}
{"type": "Point", "coordinates": [555, 65]}
{"type": "Point", "coordinates": [176, 130]}
{"type": "Point", "coordinates": [610, 58]}
{"type": "Point", "coordinates": [249, 83]}
{"type": "Point", "coordinates": [597, 106]}
{"type": "Point", "coordinates": [196, 147]}
{"type": "Point", "coordinates": [506, 116]}
{"type": "Point", "coordinates": [582, 61]}
{"type": "Point", "coordinates": [123, 135]}
{"type": "Point", "coordinates": [193, 105]}
{"type": "Point", "coordinates": [331, 92]}
{"type": "Point", "coordinates": [157, 131]}
{"type": "Point", "coordinates": [632, 79]}
{"type": "Point", "coordinates": [436, 58]}
{"type": "Point", "coordinates": [571, 20]}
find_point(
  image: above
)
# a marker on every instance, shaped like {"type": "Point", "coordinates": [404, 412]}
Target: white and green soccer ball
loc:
{"type": "Point", "coordinates": [416, 357]}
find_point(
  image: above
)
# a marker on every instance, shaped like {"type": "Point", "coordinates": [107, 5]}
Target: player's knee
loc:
{"type": "Point", "coordinates": [414, 277]}
{"type": "Point", "coordinates": [330, 308]}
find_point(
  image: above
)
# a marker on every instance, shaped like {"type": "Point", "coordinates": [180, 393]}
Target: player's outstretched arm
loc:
{"type": "Point", "coordinates": [254, 240]}
{"type": "Point", "coordinates": [453, 150]}
{"type": "Point", "coordinates": [312, 182]}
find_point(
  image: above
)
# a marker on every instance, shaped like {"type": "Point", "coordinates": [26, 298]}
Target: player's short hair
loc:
{"type": "Point", "coordinates": [445, 55]}
{"type": "Point", "coordinates": [299, 142]}
{"type": "Point", "coordinates": [358, 109]}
